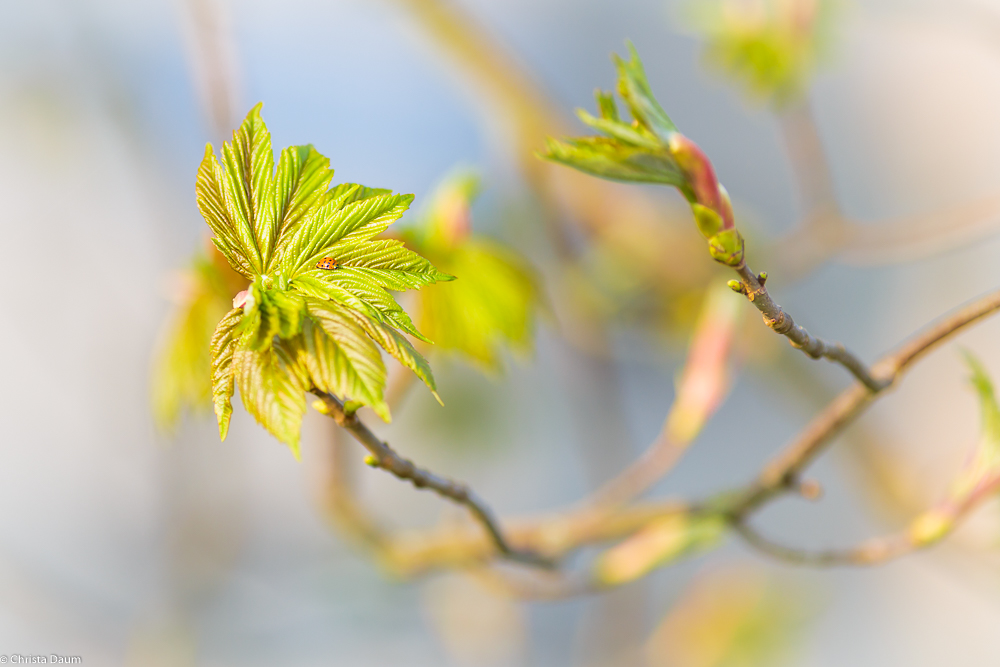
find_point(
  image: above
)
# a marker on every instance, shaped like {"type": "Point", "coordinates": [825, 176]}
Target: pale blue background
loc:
{"type": "Point", "coordinates": [112, 538]}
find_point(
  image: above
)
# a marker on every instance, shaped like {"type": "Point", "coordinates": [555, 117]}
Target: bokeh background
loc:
{"type": "Point", "coordinates": [125, 545]}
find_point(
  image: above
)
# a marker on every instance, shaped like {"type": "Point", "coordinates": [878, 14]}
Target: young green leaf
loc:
{"type": "Point", "coordinates": [616, 160]}
{"type": "Point", "coordinates": [634, 89]}
{"type": "Point", "coordinates": [300, 185]}
{"type": "Point", "coordinates": [248, 163]}
{"type": "Point", "coordinates": [399, 347]}
{"type": "Point", "coordinates": [318, 308]}
{"type": "Point", "coordinates": [650, 149]}
{"type": "Point", "coordinates": [637, 152]}
{"type": "Point", "coordinates": [272, 384]}
{"type": "Point", "coordinates": [358, 292]}
{"type": "Point", "coordinates": [223, 345]}
{"type": "Point", "coordinates": [340, 358]}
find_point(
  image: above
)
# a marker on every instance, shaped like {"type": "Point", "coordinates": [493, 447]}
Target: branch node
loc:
{"type": "Point", "coordinates": [782, 324]}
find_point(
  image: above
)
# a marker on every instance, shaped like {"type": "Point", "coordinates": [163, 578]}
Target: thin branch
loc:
{"type": "Point", "coordinates": [878, 550]}
{"type": "Point", "coordinates": [383, 456]}
{"type": "Point", "coordinates": [812, 168]}
{"type": "Point", "coordinates": [555, 535]}
{"type": "Point", "coordinates": [874, 552]}
{"type": "Point", "coordinates": [213, 58]}
{"type": "Point", "coordinates": [781, 322]}
{"type": "Point", "coordinates": [781, 473]}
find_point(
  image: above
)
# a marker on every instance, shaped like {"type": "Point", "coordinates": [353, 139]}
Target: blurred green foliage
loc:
{"type": "Point", "coordinates": [732, 617]}
{"type": "Point", "coordinates": [492, 304]}
{"type": "Point", "coordinates": [770, 48]}
{"type": "Point", "coordinates": [181, 377]}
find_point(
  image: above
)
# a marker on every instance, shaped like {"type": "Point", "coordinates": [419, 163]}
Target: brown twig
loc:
{"type": "Point", "coordinates": [383, 456]}
{"type": "Point", "coordinates": [781, 322]}
{"type": "Point", "coordinates": [781, 473]}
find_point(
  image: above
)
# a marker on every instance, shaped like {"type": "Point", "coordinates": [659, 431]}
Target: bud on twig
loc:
{"type": "Point", "coordinates": [727, 247]}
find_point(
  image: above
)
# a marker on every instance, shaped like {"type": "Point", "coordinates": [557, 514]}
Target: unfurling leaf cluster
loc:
{"type": "Point", "coordinates": [650, 149]}
{"type": "Point", "coordinates": [493, 303]}
{"type": "Point", "coordinates": [299, 327]}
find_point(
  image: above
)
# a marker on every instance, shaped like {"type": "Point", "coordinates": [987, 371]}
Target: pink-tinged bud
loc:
{"type": "Point", "coordinates": [727, 206]}
{"type": "Point", "coordinates": [455, 218]}
{"type": "Point", "coordinates": [701, 176]}
{"type": "Point", "coordinates": [243, 300]}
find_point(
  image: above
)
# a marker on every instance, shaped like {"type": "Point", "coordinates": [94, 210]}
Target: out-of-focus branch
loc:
{"type": "Point", "coordinates": [340, 500]}
{"type": "Point", "coordinates": [809, 162]}
{"type": "Point", "coordinates": [701, 389]}
{"type": "Point", "coordinates": [927, 530]}
{"type": "Point", "coordinates": [874, 552]}
{"type": "Point", "coordinates": [914, 237]}
{"type": "Point", "coordinates": [905, 239]}
{"type": "Point", "coordinates": [383, 456]}
{"type": "Point", "coordinates": [213, 59]}
{"type": "Point", "coordinates": [555, 535]}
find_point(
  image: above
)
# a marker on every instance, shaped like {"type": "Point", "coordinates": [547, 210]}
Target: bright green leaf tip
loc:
{"type": "Point", "coordinates": [633, 152]}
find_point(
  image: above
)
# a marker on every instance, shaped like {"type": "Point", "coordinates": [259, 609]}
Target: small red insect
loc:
{"type": "Point", "coordinates": [328, 263]}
